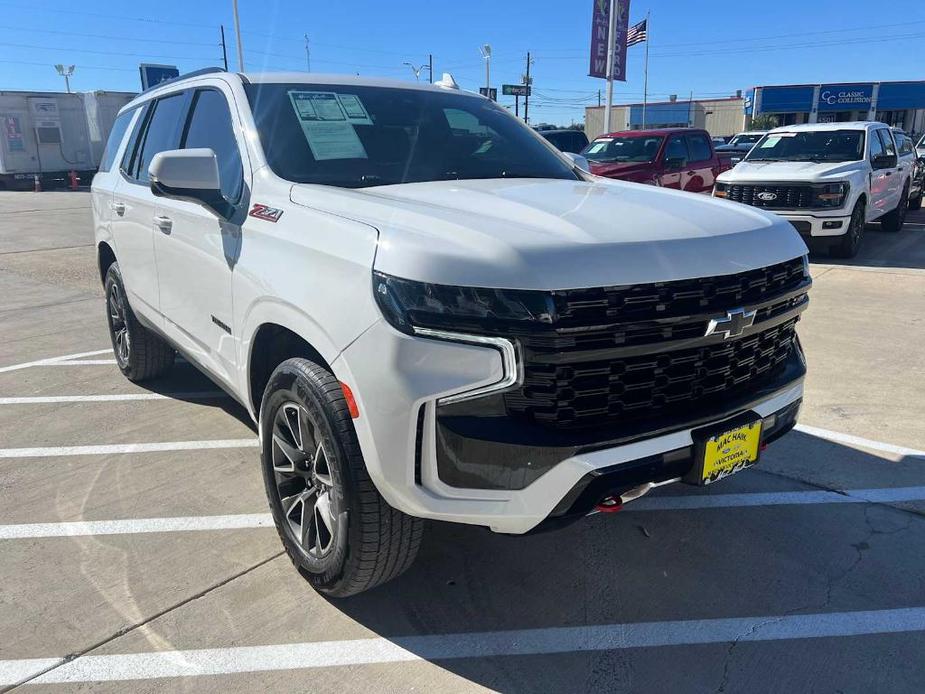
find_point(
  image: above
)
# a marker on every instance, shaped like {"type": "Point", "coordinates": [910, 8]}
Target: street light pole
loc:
{"type": "Point", "coordinates": [66, 73]}
{"type": "Point", "coordinates": [486, 53]}
{"type": "Point", "coordinates": [611, 49]}
{"type": "Point", "coordinates": [237, 36]}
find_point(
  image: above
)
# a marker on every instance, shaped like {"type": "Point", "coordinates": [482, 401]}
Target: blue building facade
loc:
{"type": "Point", "coordinates": [901, 104]}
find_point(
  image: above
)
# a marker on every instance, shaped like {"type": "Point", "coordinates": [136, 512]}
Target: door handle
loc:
{"type": "Point", "coordinates": [888, 173]}
{"type": "Point", "coordinates": [117, 207]}
{"type": "Point", "coordinates": [163, 223]}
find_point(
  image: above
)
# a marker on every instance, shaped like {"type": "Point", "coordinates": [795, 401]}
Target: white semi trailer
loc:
{"type": "Point", "coordinates": [50, 134]}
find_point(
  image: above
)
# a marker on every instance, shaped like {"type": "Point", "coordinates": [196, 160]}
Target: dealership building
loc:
{"type": "Point", "coordinates": [901, 104]}
{"type": "Point", "coordinates": [724, 116]}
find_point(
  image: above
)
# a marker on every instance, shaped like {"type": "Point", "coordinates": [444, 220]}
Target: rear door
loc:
{"type": "Point", "coordinates": [674, 161]}
{"type": "Point", "coordinates": [135, 207]}
{"type": "Point", "coordinates": [699, 176]}
{"type": "Point", "coordinates": [197, 252]}
{"type": "Point", "coordinates": [879, 178]}
{"type": "Point", "coordinates": [107, 176]}
{"type": "Point", "coordinates": [895, 177]}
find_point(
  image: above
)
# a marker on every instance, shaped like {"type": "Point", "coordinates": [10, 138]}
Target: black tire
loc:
{"type": "Point", "coordinates": [363, 542]}
{"type": "Point", "coordinates": [916, 203]}
{"type": "Point", "coordinates": [140, 354]}
{"type": "Point", "coordinates": [893, 221]}
{"type": "Point", "coordinates": [851, 241]}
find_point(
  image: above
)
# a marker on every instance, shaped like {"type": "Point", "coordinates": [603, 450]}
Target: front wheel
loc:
{"type": "Point", "coordinates": [851, 241]}
{"type": "Point", "coordinates": [893, 221]}
{"type": "Point", "coordinates": [336, 528]}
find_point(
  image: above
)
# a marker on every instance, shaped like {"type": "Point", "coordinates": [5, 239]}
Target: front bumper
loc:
{"type": "Point", "coordinates": [397, 380]}
{"type": "Point", "coordinates": [813, 226]}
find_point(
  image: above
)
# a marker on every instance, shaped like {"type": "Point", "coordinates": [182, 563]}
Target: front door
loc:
{"type": "Point", "coordinates": [881, 179]}
{"type": "Point", "coordinates": [699, 176]}
{"type": "Point", "coordinates": [674, 162]}
{"type": "Point", "coordinates": [197, 249]}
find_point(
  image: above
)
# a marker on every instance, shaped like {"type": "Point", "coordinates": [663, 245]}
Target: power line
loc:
{"type": "Point", "coordinates": [88, 50]}
{"type": "Point", "coordinates": [104, 36]}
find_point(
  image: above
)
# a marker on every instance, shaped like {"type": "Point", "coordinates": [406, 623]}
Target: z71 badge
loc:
{"type": "Point", "coordinates": [269, 214]}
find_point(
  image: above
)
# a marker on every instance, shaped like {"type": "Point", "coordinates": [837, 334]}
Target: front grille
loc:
{"type": "Point", "coordinates": [614, 354]}
{"type": "Point", "coordinates": [788, 197]}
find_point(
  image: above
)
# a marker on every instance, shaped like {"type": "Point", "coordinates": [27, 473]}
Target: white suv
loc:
{"type": "Point", "coordinates": [431, 313]}
{"type": "Point", "coordinates": [828, 179]}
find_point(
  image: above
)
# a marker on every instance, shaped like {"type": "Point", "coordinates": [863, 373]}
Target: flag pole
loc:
{"type": "Point", "coordinates": [611, 50]}
{"type": "Point", "coordinates": [645, 78]}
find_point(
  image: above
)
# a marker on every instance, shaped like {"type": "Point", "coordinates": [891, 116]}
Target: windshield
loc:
{"type": "Point", "coordinates": [358, 136]}
{"type": "Point", "coordinates": [810, 145]}
{"type": "Point", "coordinates": [745, 139]}
{"type": "Point", "coordinates": [638, 149]}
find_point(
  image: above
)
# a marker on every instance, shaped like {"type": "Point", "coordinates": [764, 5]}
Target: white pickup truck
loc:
{"type": "Point", "coordinates": [828, 179]}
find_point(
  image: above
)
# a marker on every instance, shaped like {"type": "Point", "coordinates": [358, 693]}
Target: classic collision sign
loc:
{"type": "Point", "coordinates": [845, 97]}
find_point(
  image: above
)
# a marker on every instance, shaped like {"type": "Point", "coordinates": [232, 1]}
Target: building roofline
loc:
{"type": "Point", "coordinates": [679, 101]}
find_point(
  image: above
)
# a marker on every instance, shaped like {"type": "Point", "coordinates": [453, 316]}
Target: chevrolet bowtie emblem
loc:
{"type": "Point", "coordinates": [732, 325]}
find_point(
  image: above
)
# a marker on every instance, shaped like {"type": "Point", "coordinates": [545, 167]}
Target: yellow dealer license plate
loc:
{"type": "Point", "coordinates": [729, 452]}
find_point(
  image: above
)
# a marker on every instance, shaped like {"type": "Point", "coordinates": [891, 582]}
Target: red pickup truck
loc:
{"type": "Point", "coordinates": [681, 158]}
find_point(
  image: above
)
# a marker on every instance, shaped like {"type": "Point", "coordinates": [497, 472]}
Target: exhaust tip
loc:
{"type": "Point", "coordinates": [609, 504]}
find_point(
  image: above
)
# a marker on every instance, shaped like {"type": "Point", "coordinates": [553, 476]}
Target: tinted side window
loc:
{"type": "Point", "coordinates": [888, 145]}
{"type": "Point", "coordinates": [700, 148]}
{"type": "Point", "coordinates": [676, 149]}
{"type": "Point", "coordinates": [210, 126]}
{"type": "Point", "coordinates": [128, 158]}
{"type": "Point", "coordinates": [904, 144]}
{"type": "Point", "coordinates": [116, 135]}
{"type": "Point", "coordinates": [163, 132]}
{"type": "Point", "coordinates": [876, 146]}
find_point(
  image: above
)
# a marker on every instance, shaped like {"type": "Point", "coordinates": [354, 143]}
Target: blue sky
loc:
{"type": "Point", "coordinates": [700, 47]}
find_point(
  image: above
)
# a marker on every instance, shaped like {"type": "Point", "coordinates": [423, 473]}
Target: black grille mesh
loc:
{"type": "Point", "coordinates": [790, 197]}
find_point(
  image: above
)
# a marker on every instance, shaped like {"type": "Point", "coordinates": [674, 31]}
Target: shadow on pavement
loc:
{"type": "Point", "coordinates": [905, 249]}
{"type": "Point", "coordinates": [662, 566]}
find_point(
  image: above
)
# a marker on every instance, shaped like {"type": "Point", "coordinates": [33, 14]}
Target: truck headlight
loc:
{"type": "Point", "coordinates": [830, 194]}
{"type": "Point", "coordinates": [719, 190]}
{"type": "Point", "coordinates": [408, 304]}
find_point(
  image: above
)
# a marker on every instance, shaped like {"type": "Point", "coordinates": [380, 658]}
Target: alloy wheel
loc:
{"type": "Point", "coordinates": [304, 484]}
{"type": "Point", "coordinates": [118, 323]}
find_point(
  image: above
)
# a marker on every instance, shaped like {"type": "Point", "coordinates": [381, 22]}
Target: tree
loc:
{"type": "Point", "coordinates": [765, 121]}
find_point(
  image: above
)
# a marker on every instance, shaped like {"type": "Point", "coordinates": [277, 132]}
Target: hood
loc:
{"type": "Point", "coordinates": [734, 148]}
{"type": "Point", "coordinates": [556, 234]}
{"type": "Point", "coordinates": [790, 171]}
{"type": "Point", "coordinates": [626, 169]}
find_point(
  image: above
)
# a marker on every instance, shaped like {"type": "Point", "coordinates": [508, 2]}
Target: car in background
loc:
{"type": "Point", "coordinates": [908, 157]}
{"type": "Point", "coordinates": [720, 141]}
{"type": "Point", "coordinates": [682, 158]}
{"type": "Point", "coordinates": [920, 147]}
{"type": "Point", "coordinates": [566, 140]}
{"type": "Point", "coordinates": [743, 142]}
{"type": "Point", "coordinates": [828, 179]}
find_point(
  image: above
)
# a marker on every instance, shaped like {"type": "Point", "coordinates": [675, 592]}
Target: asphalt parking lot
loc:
{"type": "Point", "coordinates": [135, 541]}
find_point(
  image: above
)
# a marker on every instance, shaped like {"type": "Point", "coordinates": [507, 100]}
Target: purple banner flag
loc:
{"type": "Point", "coordinates": [599, 25]}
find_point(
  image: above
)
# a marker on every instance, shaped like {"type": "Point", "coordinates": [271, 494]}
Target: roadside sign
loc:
{"type": "Point", "coordinates": [515, 90]}
{"type": "Point", "coordinates": [152, 75]}
{"type": "Point", "coordinates": [490, 93]}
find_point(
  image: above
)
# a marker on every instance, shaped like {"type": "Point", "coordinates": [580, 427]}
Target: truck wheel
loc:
{"type": "Point", "coordinates": [851, 241]}
{"type": "Point", "coordinates": [140, 354]}
{"type": "Point", "coordinates": [336, 528]}
{"type": "Point", "coordinates": [916, 202]}
{"type": "Point", "coordinates": [893, 221]}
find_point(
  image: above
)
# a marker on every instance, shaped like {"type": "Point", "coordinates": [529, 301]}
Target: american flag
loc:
{"type": "Point", "coordinates": [636, 33]}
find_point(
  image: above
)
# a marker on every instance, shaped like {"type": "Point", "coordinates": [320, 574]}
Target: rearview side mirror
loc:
{"type": "Point", "coordinates": [189, 174]}
{"type": "Point", "coordinates": [884, 161]}
{"type": "Point", "coordinates": [579, 161]}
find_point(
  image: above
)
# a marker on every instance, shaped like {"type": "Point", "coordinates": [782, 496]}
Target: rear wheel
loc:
{"type": "Point", "coordinates": [140, 354]}
{"type": "Point", "coordinates": [336, 528]}
{"type": "Point", "coordinates": [851, 241]}
{"type": "Point", "coordinates": [893, 221]}
{"type": "Point", "coordinates": [916, 202]}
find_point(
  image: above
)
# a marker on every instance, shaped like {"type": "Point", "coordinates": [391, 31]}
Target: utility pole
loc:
{"type": "Point", "coordinates": [430, 67]}
{"type": "Point", "coordinates": [528, 82]}
{"type": "Point", "coordinates": [308, 56]}
{"type": "Point", "coordinates": [598, 98]}
{"type": "Point", "coordinates": [517, 105]}
{"type": "Point", "coordinates": [237, 36]}
{"type": "Point", "coordinates": [611, 49]}
{"type": "Point", "coordinates": [224, 49]}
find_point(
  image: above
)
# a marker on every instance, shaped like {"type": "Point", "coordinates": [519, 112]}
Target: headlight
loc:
{"type": "Point", "coordinates": [719, 190]}
{"type": "Point", "coordinates": [830, 194]}
{"type": "Point", "coordinates": [407, 304]}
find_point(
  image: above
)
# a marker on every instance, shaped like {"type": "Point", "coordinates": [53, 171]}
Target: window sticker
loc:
{"type": "Point", "coordinates": [354, 109]}
{"type": "Point", "coordinates": [770, 142]}
{"type": "Point", "coordinates": [325, 124]}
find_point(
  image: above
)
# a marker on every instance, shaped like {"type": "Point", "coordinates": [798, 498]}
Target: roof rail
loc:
{"type": "Point", "coordinates": [194, 73]}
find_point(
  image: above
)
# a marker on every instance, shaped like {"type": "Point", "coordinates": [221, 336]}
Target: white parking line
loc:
{"type": "Point", "coordinates": [133, 526]}
{"type": "Point", "coordinates": [82, 362]}
{"type": "Point", "coordinates": [105, 449]}
{"type": "Point", "coordinates": [490, 644]}
{"type": "Point", "coordinates": [53, 360]}
{"type": "Point", "coordinates": [121, 397]}
{"type": "Point", "coordinates": [852, 440]}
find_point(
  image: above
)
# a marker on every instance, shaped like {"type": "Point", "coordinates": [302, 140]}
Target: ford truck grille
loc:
{"type": "Point", "coordinates": [785, 197]}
